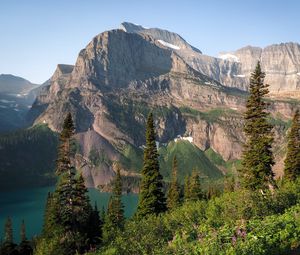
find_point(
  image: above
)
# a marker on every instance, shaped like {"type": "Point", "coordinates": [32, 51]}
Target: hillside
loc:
{"type": "Point", "coordinates": [35, 151]}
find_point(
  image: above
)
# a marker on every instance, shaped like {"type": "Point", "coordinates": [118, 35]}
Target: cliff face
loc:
{"type": "Point", "coordinates": [281, 62]}
{"type": "Point", "coordinates": [124, 74]}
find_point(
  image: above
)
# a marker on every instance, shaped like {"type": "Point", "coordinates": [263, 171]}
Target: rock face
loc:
{"type": "Point", "coordinates": [124, 74]}
{"type": "Point", "coordinates": [281, 62]}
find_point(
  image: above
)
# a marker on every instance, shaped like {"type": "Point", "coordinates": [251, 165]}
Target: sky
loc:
{"type": "Point", "coordinates": [36, 35]}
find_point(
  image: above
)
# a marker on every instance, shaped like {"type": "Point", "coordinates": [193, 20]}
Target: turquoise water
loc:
{"type": "Point", "coordinates": [29, 204]}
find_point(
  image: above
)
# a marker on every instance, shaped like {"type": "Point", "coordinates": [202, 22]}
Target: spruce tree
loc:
{"type": "Point", "coordinates": [173, 197]}
{"type": "Point", "coordinates": [257, 160]}
{"type": "Point", "coordinates": [114, 219]}
{"type": "Point", "coordinates": [151, 199]}
{"type": "Point", "coordinates": [117, 212]}
{"type": "Point", "coordinates": [68, 212]}
{"type": "Point", "coordinates": [8, 247]}
{"type": "Point", "coordinates": [51, 222]}
{"type": "Point", "coordinates": [63, 162]}
{"type": "Point", "coordinates": [292, 161]}
{"type": "Point", "coordinates": [23, 232]}
{"type": "Point", "coordinates": [95, 226]}
{"type": "Point", "coordinates": [24, 247]}
{"type": "Point", "coordinates": [186, 188]}
{"type": "Point", "coordinates": [195, 192]}
{"type": "Point", "coordinates": [8, 231]}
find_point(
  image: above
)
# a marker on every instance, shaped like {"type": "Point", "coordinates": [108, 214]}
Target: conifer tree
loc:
{"type": "Point", "coordinates": [68, 213]}
{"type": "Point", "coordinates": [195, 192]}
{"type": "Point", "coordinates": [8, 247]}
{"type": "Point", "coordinates": [81, 204]}
{"type": "Point", "coordinates": [23, 232]}
{"type": "Point", "coordinates": [186, 188]}
{"type": "Point", "coordinates": [51, 223]}
{"type": "Point", "coordinates": [114, 218]}
{"type": "Point", "coordinates": [8, 230]}
{"type": "Point", "coordinates": [24, 247]}
{"type": "Point", "coordinates": [117, 212]}
{"type": "Point", "coordinates": [173, 197]}
{"type": "Point", "coordinates": [63, 162]}
{"type": "Point", "coordinates": [257, 160]}
{"type": "Point", "coordinates": [95, 226]}
{"type": "Point", "coordinates": [292, 161]}
{"type": "Point", "coordinates": [151, 199]}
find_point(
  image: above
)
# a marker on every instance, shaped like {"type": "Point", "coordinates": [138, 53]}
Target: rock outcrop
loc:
{"type": "Point", "coordinates": [124, 74]}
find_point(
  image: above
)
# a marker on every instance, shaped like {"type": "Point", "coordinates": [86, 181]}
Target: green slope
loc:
{"type": "Point", "coordinates": [27, 158]}
{"type": "Point", "coordinates": [189, 158]}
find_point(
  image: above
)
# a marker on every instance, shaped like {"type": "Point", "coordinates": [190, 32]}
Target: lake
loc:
{"type": "Point", "coordinates": [29, 204]}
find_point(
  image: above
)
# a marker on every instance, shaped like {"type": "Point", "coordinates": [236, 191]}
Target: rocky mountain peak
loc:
{"type": "Point", "coordinates": [164, 37]}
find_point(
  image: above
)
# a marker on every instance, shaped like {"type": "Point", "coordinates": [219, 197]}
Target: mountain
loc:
{"type": "Point", "coordinates": [125, 73]}
{"type": "Point", "coordinates": [16, 97]}
{"type": "Point", "coordinates": [10, 84]}
{"type": "Point", "coordinates": [281, 62]}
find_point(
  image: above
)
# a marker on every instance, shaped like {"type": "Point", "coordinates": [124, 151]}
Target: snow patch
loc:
{"type": "Point", "coordinates": [239, 75]}
{"type": "Point", "coordinates": [229, 57]}
{"type": "Point", "coordinates": [185, 138]}
{"type": "Point", "coordinates": [169, 45]}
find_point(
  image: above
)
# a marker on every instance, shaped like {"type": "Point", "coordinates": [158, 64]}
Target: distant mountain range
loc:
{"type": "Point", "coordinates": [16, 97]}
{"type": "Point", "coordinates": [197, 101]}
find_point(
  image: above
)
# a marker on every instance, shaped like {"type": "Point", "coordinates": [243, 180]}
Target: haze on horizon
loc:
{"type": "Point", "coordinates": [36, 35]}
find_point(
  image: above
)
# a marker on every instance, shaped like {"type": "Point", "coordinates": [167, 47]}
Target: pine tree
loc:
{"type": "Point", "coordinates": [64, 197]}
{"type": "Point", "coordinates": [117, 212]}
{"type": "Point", "coordinates": [63, 162]}
{"type": "Point", "coordinates": [8, 247]}
{"type": "Point", "coordinates": [50, 216]}
{"type": "Point", "coordinates": [257, 160]}
{"type": "Point", "coordinates": [173, 197]}
{"type": "Point", "coordinates": [151, 198]}
{"type": "Point", "coordinates": [24, 247]}
{"type": "Point", "coordinates": [95, 226]}
{"type": "Point", "coordinates": [186, 188]}
{"type": "Point", "coordinates": [195, 192]}
{"type": "Point", "coordinates": [82, 209]}
{"type": "Point", "coordinates": [23, 232]}
{"type": "Point", "coordinates": [8, 230]}
{"type": "Point", "coordinates": [292, 161]}
{"type": "Point", "coordinates": [68, 212]}
{"type": "Point", "coordinates": [114, 219]}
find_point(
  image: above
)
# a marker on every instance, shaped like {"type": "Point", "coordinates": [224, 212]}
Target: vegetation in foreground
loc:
{"type": "Point", "coordinates": [254, 215]}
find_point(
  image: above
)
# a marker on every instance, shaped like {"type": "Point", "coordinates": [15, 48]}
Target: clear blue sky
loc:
{"type": "Point", "coordinates": [36, 35]}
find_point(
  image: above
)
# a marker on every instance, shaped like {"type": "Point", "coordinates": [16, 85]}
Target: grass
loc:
{"type": "Point", "coordinates": [210, 116]}
{"type": "Point", "coordinates": [132, 158]}
{"type": "Point", "coordinates": [231, 166]}
{"type": "Point", "coordinates": [189, 158]}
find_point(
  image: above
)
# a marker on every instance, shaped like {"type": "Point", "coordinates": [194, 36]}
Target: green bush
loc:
{"type": "Point", "coordinates": [240, 222]}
